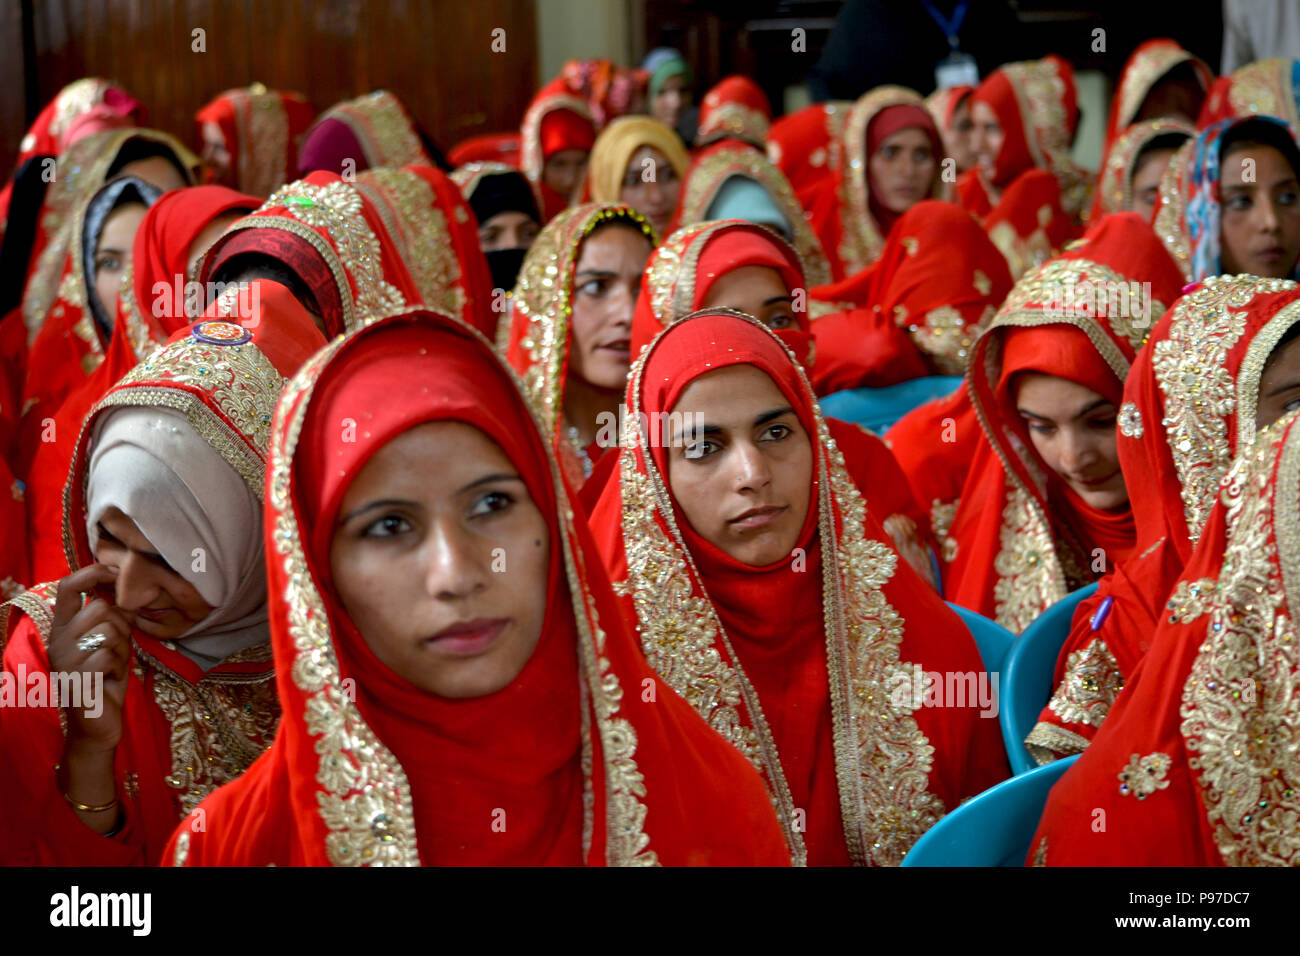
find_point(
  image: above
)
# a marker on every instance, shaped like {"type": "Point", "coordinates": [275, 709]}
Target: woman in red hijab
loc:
{"type": "Point", "coordinates": [746, 268]}
{"type": "Point", "coordinates": [951, 111]}
{"type": "Point", "coordinates": [1045, 508]}
{"type": "Point", "coordinates": [569, 327]}
{"type": "Point", "coordinates": [1135, 164]}
{"type": "Point", "coordinates": [365, 132]}
{"type": "Point", "coordinates": [62, 344]}
{"type": "Point", "coordinates": [84, 106]}
{"type": "Point", "coordinates": [555, 138]}
{"type": "Point", "coordinates": [351, 256]}
{"type": "Point", "coordinates": [250, 137]}
{"type": "Point", "coordinates": [1161, 80]}
{"type": "Point", "coordinates": [884, 160]}
{"type": "Point", "coordinates": [1262, 88]}
{"type": "Point", "coordinates": [153, 304]}
{"type": "Point", "coordinates": [1196, 764]}
{"type": "Point", "coordinates": [163, 624]}
{"type": "Point", "coordinates": [769, 597]}
{"type": "Point", "coordinates": [457, 684]}
{"type": "Point", "coordinates": [434, 237]}
{"type": "Point", "coordinates": [1223, 363]}
{"type": "Point", "coordinates": [1025, 188]}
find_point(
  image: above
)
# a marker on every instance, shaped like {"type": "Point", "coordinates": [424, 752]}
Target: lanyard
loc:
{"type": "Point", "coordinates": [949, 27]}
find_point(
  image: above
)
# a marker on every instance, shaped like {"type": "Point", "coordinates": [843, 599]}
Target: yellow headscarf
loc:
{"type": "Point", "coordinates": [617, 143]}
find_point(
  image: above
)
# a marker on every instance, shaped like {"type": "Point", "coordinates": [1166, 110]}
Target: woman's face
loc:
{"type": "Point", "coordinates": [440, 558]}
{"type": "Point", "coordinates": [756, 290]}
{"type": "Point", "coordinates": [961, 135]}
{"type": "Point", "coordinates": [154, 597]}
{"type": "Point", "coordinates": [113, 252]}
{"type": "Point", "coordinates": [903, 169]}
{"type": "Point", "coordinates": [1279, 385]}
{"type": "Point", "coordinates": [508, 230]}
{"type": "Point", "coordinates": [1146, 181]}
{"type": "Point", "coordinates": [1073, 430]}
{"type": "Point", "coordinates": [606, 281]}
{"type": "Point", "coordinates": [671, 101]}
{"type": "Point", "coordinates": [741, 470]}
{"type": "Point", "coordinates": [564, 170]}
{"type": "Point", "coordinates": [216, 154]}
{"type": "Point", "coordinates": [650, 186]}
{"type": "Point", "coordinates": [986, 136]}
{"type": "Point", "coordinates": [1260, 200]}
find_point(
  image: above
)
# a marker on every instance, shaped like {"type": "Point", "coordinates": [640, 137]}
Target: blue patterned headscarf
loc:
{"type": "Point", "coordinates": [1190, 216]}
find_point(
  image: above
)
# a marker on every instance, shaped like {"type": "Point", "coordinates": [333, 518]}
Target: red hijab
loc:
{"type": "Point", "coordinates": [1150, 63]}
{"type": "Point", "coordinates": [677, 280]}
{"type": "Point", "coordinates": [322, 230]}
{"type": "Point", "coordinates": [762, 652]}
{"type": "Point", "coordinates": [891, 120]}
{"type": "Point", "coordinates": [585, 770]}
{"type": "Point", "coordinates": [1190, 403]}
{"type": "Point", "coordinates": [1023, 539]}
{"type": "Point", "coordinates": [556, 120]}
{"type": "Point", "coordinates": [1036, 105]}
{"type": "Point", "coordinates": [185, 730]}
{"type": "Point", "coordinates": [1196, 763]}
{"type": "Point", "coordinates": [262, 129]}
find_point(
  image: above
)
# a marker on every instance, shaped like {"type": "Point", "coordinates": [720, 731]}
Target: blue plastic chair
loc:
{"type": "Point", "coordinates": [1027, 675]}
{"type": "Point", "coordinates": [992, 639]}
{"type": "Point", "coordinates": [994, 828]}
{"type": "Point", "coordinates": [879, 408]}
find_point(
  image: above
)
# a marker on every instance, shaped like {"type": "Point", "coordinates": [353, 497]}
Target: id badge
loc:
{"type": "Point", "coordinates": [956, 69]}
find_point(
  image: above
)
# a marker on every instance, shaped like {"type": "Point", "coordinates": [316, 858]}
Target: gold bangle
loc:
{"type": "Point", "coordinates": [85, 809]}
{"type": "Point", "coordinates": [81, 806]}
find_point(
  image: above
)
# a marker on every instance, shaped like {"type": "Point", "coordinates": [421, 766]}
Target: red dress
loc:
{"type": "Point", "coordinates": [1021, 538]}
{"type": "Point", "coordinates": [793, 662]}
{"type": "Point", "coordinates": [1196, 764]}
{"type": "Point", "coordinates": [1041, 196]}
{"type": "Point", "coordinates": [1189, 404]}
{"type": "Point", "coordinates": [584, 758]}
{"type": "Point", "coordinates": [185, 731]}
{"type": "Point", "coordinates": [935, 285]}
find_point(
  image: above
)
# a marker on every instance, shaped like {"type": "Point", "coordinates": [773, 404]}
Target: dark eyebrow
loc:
{"type": "Point", "coordinates": [1284, 388]}
{"type": "Point", "coordinates": [1077, 415]}
{"type": "Point", "coordinates": [773, 414]}
{"type": "Point", "coordinates": [404, 503]}
{"type": "Point", "coordinates": [488, 480]}
{"type": "Point", "coordinates": [384, 503]}
{"type": "Point", "coordinates": [596, 274]}
{"type": "Point", "coordinates": [154, 556]}
{"type": "Point", "coordinates": [103, 249]}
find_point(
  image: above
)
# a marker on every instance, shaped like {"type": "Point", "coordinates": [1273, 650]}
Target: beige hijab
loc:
{"type": "Point", "coordinates": [198, 513]}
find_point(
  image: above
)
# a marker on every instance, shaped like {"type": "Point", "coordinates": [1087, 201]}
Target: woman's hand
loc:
{"type": "Point", "coordinates": [86, 640]}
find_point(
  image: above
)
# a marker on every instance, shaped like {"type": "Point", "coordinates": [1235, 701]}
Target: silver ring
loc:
{"type": "Point", "coordinates": [92, 641]}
